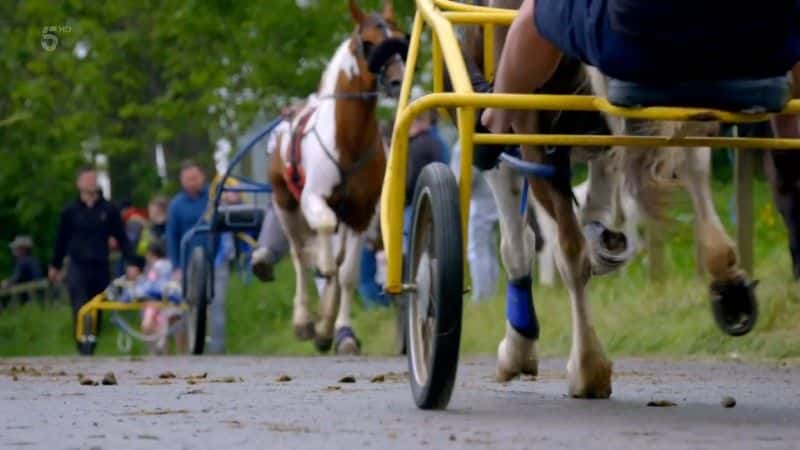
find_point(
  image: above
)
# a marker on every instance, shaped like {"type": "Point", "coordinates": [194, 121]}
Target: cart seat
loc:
{"type": "Point", "coordinates": [742, 95]}
{"type": "Point", "coordinates": [238, 218]}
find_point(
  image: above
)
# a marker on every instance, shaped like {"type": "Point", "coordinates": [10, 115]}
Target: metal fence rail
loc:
{"type": "Point", "coordinates": [41, 291]}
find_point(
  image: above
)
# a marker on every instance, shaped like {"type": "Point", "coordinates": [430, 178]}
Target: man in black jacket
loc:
{"type": "Point", "coordinates": [84, 230]}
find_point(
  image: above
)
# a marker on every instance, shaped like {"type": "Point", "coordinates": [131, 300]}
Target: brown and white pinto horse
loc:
{"type": "Point", "coordinates": [585, 245]}
{"type": "Point", "coordinates": [328, 173]}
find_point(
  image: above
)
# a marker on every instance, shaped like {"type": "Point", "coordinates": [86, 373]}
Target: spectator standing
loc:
{"type": "Point", "coordinates": [185, 211]}
{"type": "Point", "coordinates": [26, 266]}
{"type": "Point", "coordinates": [85, 228]}
{"type": "Point", "coordinates": [425, 146]}
{"type": "Point", "coordinates": [484, 266]}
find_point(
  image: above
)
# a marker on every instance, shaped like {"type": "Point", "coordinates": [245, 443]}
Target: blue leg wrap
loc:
{"type": "Point", "coordinates": [519, 308]}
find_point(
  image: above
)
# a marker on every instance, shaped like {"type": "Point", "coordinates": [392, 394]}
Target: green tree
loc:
{"type": "Point", "coordinates": [119, 77]}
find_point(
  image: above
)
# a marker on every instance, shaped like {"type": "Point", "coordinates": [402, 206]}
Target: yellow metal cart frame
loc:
{"type": "Point", "coordinates": [88, 315]}
{"type": "Point", "coordinates": [440, 16]}
{"type": "Point", "coordinates": [433, 294]}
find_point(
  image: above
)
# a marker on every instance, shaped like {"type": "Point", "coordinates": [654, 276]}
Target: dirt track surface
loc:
{"type": "Point", "coordinates": [241, 404]}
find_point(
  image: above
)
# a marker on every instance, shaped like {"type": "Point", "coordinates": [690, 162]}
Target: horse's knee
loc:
{"type": "Point", "coordinates": [572, 247]}
{"type": "Point", "coordinates": [573, 260]}
{"type": "Point", "coordinates": [348, 278]}
{"type": "Point", "coordinates": [318, 214]}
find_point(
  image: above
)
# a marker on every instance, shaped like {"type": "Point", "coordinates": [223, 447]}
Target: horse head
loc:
{"type": "Point", "coordinates": [380, 47]}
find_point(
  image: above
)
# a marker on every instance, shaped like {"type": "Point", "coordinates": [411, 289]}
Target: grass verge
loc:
{"type": "Point", "coordinates": [633, 316]}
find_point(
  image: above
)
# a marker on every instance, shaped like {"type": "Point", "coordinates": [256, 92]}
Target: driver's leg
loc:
{"type": "Point", "coordinates": [789, 126]}
{"type": "Point", "coordinates": [527, 62]}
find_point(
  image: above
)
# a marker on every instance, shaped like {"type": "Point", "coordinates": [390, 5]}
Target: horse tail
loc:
{"type": "Point", "coordinates": [648, 174]}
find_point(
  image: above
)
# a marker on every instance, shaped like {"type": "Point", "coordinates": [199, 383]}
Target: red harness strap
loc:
{"type": "Point", "coordinates": [294, 174]}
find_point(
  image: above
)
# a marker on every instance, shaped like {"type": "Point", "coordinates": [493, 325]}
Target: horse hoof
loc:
{"type": "Point", "coordinates": [346, 342]}
{"type": "Point", "coordinates": [305, 332]}
{"type": "Point", "coordinates": [503, 374]}
{"type": "Point", "coordinates": [262, 267]}
{"type": "Point", "coordinates": [608, 249]}
{"type": "Point", "coordinates": [592, 381]}
{"type": "Point", "coordinates": [349, 346]}
{"type": "Point", "coordinates": [323, 344]}
{"type": "Point", "coordinates": [734, 305]}
{"type": "Point", "coordinates": [602, 392]}
{"type": "Point", "coordinates": [516, 355]}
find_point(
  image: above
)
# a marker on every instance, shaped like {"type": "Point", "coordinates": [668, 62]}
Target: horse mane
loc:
{"type": "Point", "coordinates": [343, 61]}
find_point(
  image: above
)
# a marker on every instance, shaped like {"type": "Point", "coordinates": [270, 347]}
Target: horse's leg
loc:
{"type": "Point", "coordinates": [546, 258]}
{"type": "Point", "coordinates": [588, 368]}
{"type": "Point", "coordinates": [320, 217]}
{"type": "Point", "coordinates": [717, 248]}
{"type": "Point", "coordinates": [328, 304]}
{"type": "Point", "coordinates": [608, 249]}
{"type": "Point", "coordinates": [732, 291]}
{"type": "Point", "coordinates": [345, 341]}
{"type": "Point", "coordinates": [631, 218]}
{"type": "Point", "coordinates": [298, 234]}
{"type": "Point", "coordinates": [517, 351]}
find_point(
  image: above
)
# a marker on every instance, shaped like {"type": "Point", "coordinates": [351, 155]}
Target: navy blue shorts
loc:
{"type": "Point", "coordinates": [583, 30]}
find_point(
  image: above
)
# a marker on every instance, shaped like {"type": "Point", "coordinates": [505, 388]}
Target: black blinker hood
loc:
{"type": "Point", "coordinates": [383, 52]}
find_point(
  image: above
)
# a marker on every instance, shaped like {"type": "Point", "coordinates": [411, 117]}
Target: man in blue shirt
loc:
{"type": "Point", "coordinates": [650, 41]}
{"type": "Point", "coordinates": [185, 211]}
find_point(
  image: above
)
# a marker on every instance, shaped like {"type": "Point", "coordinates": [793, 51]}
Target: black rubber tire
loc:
{"type": "Point", "coordinates": [198, 273]}
{"type": "Point", "coordinates": [436, 227]}
{"type": "Point", "coordinates": [88, 345]}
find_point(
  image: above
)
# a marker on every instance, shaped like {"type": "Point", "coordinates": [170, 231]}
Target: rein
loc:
{"type": "Point", "coordinates": [344, 174]}
{"type": "Point", "coordinates": [351, 96]}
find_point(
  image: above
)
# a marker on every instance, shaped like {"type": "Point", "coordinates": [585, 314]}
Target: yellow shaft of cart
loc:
{"type": "Point", "coordinates": [101, 303]}
{"type": "Point", "coordinates": [439, 16]}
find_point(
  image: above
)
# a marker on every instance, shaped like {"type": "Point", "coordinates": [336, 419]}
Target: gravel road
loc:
{"type": "Point", "coordinates": [304, 403]}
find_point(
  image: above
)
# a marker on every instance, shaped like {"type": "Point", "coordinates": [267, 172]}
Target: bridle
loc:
{"type": "Point", "coordinates": [379, 59]}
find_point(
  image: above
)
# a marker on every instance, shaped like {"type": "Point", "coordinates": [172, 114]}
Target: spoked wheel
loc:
{"type": "Point", "coordinates": [88, 341]}
{"type": "Point", "coordinates": [197, 290]}
{"type": "Point", "coordinates": [435, 267]}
